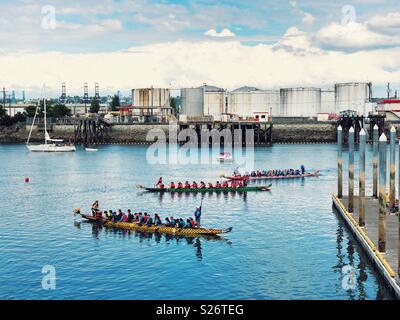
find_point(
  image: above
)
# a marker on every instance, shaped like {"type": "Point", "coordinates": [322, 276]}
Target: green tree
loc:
{"type": "Point", "coordinates": [115, 103]}
{"type": "Point", "coordinates": [58, 110]}
{"type": "Point", "coordinates": [2, 111]}
{"type": "Point", "coordinates": [30, 111]}
{"type": "Point", "coordinates": [94, 106]}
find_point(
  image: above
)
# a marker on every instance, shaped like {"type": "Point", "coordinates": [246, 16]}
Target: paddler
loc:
{"type": "Point", "coordinates": [168, 222]}
{"type": "Point", "coordinates": [303, 169]}
{"type": "Point", "coordinates": [161, 185]}
{"type": "Point", "coordinates": [172, 185]}
{"type": "Point", "coordinates": [202, 185]}
{"type": "Point", "coordinates": [193, 223]}
{"type": "Point", "coordinates": [218, 185]}
{"type": "Point", "coordinates": [225, 184]}
{"type": "Point", "coordinates": [95, 208]}
{"type": "Point", "coordinates": [197, 216]}
{"type": "Point", "coordinates": [180, 185]}
{"type": "Point", "coordinates": [159, 182]}
{"type": "Point", "coordinates": [240, 184]}
{"type": "Point", "coordinates": [187, 185]}
{"type": "Point", "coordinates": [210, 185]}
{"type": "Point", "coordinates": [157, 220]}
{"type": "Point", "coordinates": [233, 184]}
{"type": "Point", "coordinates": [194, 185]}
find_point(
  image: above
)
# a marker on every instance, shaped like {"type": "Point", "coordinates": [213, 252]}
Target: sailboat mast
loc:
{"type": "Point", "coordinates": [45, 121]}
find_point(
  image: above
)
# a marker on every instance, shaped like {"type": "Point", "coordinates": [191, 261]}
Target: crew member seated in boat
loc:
{"type": "Point", "coordinates": [202, 185]}
{"type": "Point", "coordinates": [297, 172]}
{"type": "Point", "coordinates": [159, 182]}
{"type": "Point", "coordinates": [145, 217]}
{"type": "Point", "coordinates": [188, 225]}
{"type": "Point", "coordinates": [157, 220]}
{"type": "Point", "coordinates": [125, 218]}
{"type": "Point", "coordinates": [218, 185]}
{"type": "Point", "coordinates": [225, 184]}
{"type": "Point", "coordinates": [187, 185]}
{"type": "Point", "coordinates": [181, 223]}
{"type": "Point", "coordinates": [240, 184]}
{"type": "Point", "coordinates": [180, 185]}
{"type": "Point", "coordinates": [233, 184]}
{"type": "Point", "coordinates": [210, 185]}
{"type": "Point", "coordinates": [194, 185]}
{"type": "Point", "coordinates": [107, 215]}
{"type": "Point", "coordinates": [193, 223]}
{"type": "Point", "coordinates": [173, 221]}
{"type": "Point", "coordinates": [95, 208]}
{"type": "Point", "coordinates": [161, 186]}
{"type": "Point", "coordinates": [130, 216]}
{"type": "Point", "coordinates": [167, 222]}
{"type": "Point", "coordinates": [149, 222]}
{"type": "Point", "coordinates": [172, 185]}
{"type": "Point", "coordinates": [303, 169]}
{"type": "Point", "coordinates": [114, 217]}
{"type": "Point", "coordinates": [245, 181]}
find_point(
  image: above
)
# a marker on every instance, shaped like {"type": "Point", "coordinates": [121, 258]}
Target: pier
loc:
{"type": "Point", "coordinates": [373, 219]}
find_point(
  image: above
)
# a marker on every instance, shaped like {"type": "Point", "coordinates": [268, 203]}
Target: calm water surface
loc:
{"type": "Point", "coordinates": [285, 244]}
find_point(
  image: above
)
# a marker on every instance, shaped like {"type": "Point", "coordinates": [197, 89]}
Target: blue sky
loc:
{"type": "Point", "coordinates": [344, 30]}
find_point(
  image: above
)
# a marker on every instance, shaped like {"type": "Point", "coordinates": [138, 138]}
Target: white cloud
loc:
{"type": "Point", "coordinates": [308, 20]}
{"type": "Point", "coordinates": [389, 23]}
{"type": "Point", "coordinates": [224, 33]}
{"type": "Point", "coordinates": [296, 41]}
{"type": "Point", "coordinates": [353, 36]}
{"type": "Point", "coordinates": [229, 64]}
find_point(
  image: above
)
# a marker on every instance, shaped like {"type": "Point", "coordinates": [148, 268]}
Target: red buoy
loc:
{"type": "Point", "coordinates": [26, 180]}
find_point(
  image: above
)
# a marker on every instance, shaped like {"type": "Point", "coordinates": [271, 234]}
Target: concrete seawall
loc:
{"type": "Point", "coordinates": [291, 132]}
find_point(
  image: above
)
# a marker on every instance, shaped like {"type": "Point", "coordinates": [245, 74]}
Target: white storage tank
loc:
{"type": "Point", "coordinates": [151, 97]}
{"type": "Point", "coordinates": [246, 101]}
{"type": "Point", "coordinates": [214, 100]}
{"type": "Point", "coordinates": [328, 101]}
{"type": "Point", "coordinates": [192, 101]}
{"type": "Point", "coordinates": [352, 96]}
{"type": "Point", "coordinates": [300, 102]}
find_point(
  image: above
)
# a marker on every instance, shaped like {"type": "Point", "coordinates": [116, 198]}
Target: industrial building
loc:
{"type": "Point", "coordinates": [248, 102]}
{"type": "Point", "coordinates": [353, 96]}
{"type": "Point", "coordinates": [203, 101]}
{"type": "Point", "coordinates": [300, 102]}
{"type": "Point", "coordinates": [328, 101]}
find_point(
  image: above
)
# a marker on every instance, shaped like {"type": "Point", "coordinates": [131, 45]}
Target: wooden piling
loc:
{"type": "Point", "coordinates": [351, 170]}
{"type": "Point", "coordinates": [340, 161]}
{"type": "Point", "coordinates": [392, 192]}
{"type": "Point", "coordinates": [375, 139]}
{"type": "Point", "coordinates": [382, 194]}
{"type": "Point", "coordinates": [361, 197]}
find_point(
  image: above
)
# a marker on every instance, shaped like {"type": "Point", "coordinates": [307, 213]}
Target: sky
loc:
{"type": "Point", "coordinates": [125, 44]}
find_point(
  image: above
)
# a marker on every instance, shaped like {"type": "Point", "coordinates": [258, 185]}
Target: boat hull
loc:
{"type": "Point", "coordinates": [167, 230]}
{"type": "Point", "coordinates": [313, 174]}
{"type": "Point", "coordinates": [209, 190]}
{"type": "Point", "coordinates": [50, 148]}
{"type": "Point", "coordinates": [187, 232]}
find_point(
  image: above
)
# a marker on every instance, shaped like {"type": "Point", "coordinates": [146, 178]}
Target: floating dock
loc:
{"type": "Point", "coordinates": [367, 236]}
{"type": "Point", "coordinates": [374, 220]}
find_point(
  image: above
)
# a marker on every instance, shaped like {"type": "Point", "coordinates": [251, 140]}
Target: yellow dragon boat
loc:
{"type": "Point", "coordinates": [191, 232]}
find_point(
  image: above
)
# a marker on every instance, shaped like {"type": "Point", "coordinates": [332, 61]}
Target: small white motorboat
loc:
{"type": "Point", "coordinates": [91, 149]}
{"type": "Point", "coordinates": [225, 157]}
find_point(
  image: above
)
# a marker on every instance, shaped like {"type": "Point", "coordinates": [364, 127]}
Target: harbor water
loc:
{"type": "Point", "coordinates": [285, 244]}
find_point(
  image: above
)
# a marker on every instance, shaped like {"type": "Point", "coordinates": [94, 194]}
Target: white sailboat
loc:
{"type": "Point", "coordinates": [50, 145]}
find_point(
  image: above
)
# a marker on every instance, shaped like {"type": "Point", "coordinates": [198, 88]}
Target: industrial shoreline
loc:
{"type": "Point", "coordinates": [293, 132]}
